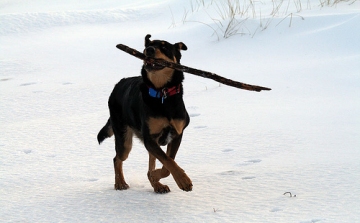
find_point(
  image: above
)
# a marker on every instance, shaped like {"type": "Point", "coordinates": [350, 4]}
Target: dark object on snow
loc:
{"type": "Point", "coordinates": [201, 73]}
{"type": "Point", "coordinates": [290, 194]}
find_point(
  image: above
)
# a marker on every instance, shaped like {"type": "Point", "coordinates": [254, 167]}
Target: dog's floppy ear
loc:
{"type": "Point", "coordinates": [147, 39]}
{"type": "Point", "coordinates": [180, 46]}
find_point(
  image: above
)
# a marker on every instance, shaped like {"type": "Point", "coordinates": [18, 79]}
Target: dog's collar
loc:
{"type": "Point", "coordinates": [164, 93]}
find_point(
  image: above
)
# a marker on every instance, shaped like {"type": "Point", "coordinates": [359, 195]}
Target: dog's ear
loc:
{"type": "Point", "coordinates": [147, 39]}
{"type": "Point", "coordinates": [180, 46]}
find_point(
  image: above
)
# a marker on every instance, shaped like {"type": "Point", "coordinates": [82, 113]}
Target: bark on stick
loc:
{"type": "Point", "coordinates": [190, 70]}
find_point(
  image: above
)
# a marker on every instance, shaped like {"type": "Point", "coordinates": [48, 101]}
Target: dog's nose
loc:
{"type": "Point", "coordinates": [150, 51]}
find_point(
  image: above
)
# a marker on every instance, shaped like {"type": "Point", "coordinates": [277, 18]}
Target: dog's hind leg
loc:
{"type": "Point", "coordinates": [123, 144]}
{"type": "Point", "coordinates": [120, 183]}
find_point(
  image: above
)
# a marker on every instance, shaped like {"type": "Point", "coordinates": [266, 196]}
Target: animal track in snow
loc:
{"type": "Point", "coordinates": [311, 221]}
{"type": "Point", "coordinates": [227, 150]}
{"type": "Point", "coordinates": [276, 210]}
{"type": "Point", "coordinates": [27, 84]}
{"type": "Point", "coordinates": [230, 172]}
{"type": "Point", "coordinates": [249, 162]}
{"type": "Point", "coordinates": [194, 114]}
{"type": "Point", "coordinates": [248, 178]}
{"type": "Point", "coordinates": [236, 173]}
{"type": "Point", "coordinates": [254, 161]}
{"type": "Point", "coordinates": [27, 151]}
{"type": "Point", "coordinates": [200, 127]}
{"type": "Point", "coordinates": [193, 111]}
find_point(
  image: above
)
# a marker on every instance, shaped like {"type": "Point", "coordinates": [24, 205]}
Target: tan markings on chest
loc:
{"type": "Point", "coordinates": [160, 77]}
{"type": "Point", "coordinates": [178, 125]}
{"type": "Point", "coordinates": [156, 125]}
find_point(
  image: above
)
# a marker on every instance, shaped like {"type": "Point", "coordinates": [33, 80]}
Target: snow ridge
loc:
{"type": "Point", "coordinates": [36, 21]}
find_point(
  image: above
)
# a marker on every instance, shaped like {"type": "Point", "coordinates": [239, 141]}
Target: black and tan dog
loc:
{"type": "Point", "coordinates": [150, 106]}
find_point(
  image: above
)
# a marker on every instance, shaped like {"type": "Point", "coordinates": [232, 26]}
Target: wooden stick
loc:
{"type": "Point", "coordinates": [190, 70]}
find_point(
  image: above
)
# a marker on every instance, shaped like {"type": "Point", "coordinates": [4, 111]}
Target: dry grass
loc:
{"type": "Point", "coordinates": [230, 17]}
{"type": "Point", "coordinates": [335, 2]}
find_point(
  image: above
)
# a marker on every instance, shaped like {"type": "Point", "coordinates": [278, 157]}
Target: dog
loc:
{"type": "Point", "coordinates": [150, 107]}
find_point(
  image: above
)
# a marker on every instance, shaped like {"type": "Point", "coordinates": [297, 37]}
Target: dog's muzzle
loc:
{"type": "Point", "coordinates": [150, 52]}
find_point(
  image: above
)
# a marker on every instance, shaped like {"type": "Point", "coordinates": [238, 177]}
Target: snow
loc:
{"type": "Point", "coordinates": [243, 150]}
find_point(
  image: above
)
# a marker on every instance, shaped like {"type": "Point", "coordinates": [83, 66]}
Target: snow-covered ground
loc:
{"type": "Point", "coordinates": [243, 150]}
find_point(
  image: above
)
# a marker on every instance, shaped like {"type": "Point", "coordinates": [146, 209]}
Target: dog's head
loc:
{"type": "Point", "coordinates": [163, 50]}
{"type": "Point", "coordinates": [158, 74]}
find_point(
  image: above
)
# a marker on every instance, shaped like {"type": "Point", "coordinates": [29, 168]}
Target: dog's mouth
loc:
{"type": "Point", "coordinates": [152, 66]}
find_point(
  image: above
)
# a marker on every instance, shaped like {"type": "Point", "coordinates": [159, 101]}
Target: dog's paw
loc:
{"type": "Point", "coordinates": [154, 176]}
{"type": "Point", "coordinates": [160, 188]}
{"type": "Point", "coordinates": [121, 186]}
{"type": "Point", "coordinates": [184, 182]}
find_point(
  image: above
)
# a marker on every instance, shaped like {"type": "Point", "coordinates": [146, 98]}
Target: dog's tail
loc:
{"type": "Point", "coordinates": [105, 132]}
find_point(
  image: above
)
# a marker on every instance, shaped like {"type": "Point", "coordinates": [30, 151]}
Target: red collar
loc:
{"type": "Point", "coordinates": [164, 92]}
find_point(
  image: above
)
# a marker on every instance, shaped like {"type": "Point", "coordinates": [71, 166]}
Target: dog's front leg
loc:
{"type": "Point", "coordinates": [155, 175]}
{"type": "Point", "coordinates": [169, 165]}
